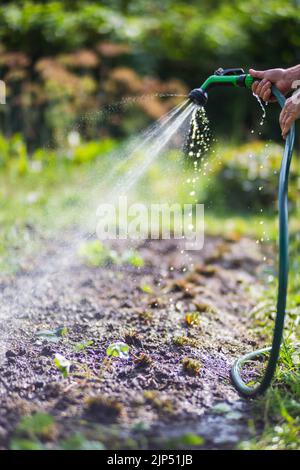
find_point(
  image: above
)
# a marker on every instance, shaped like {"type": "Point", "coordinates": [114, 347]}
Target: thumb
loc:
{"type": "Point", "coordinates": [257, 73]}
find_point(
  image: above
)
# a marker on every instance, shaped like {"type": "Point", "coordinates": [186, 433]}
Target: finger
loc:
{"type": "Point", "coordinates": [254, 87]}
{"type": "Point", "coordinates": [282, 117]}
{"type": "Point", "coordinates": [266, 90]}
{"type": "Point", "coordinates": [257, 73]}
{"type": "Point", "coordinates": [288, 118]}
{"type": "Point", "coordinates": [267, 95]}
{"type": "Point", "coordinates": [287, 126]}
{"type": "Point", "coordinates": [260, 87]}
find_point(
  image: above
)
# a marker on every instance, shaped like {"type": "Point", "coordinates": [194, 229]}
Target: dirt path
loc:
{"type": "Point", "coordinates": [151, 400]}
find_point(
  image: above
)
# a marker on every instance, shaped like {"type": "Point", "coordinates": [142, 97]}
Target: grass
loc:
{"type": "Point", "coordinates": [276, 414]}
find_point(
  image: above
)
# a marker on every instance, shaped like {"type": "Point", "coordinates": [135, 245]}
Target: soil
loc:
{"type": "Point", "coordinates": [156, 398]}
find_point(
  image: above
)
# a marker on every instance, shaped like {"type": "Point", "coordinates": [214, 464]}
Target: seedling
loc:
{"type": "Point", "coordinates": [184, 341]}
{"type": "Point", "coordinates": [119, 349]}
{"type": "Point", "coordinates": [104, 408]}
{"type": "Point", "coordinates": [146, 288]}
{"type": "Point", "coordinates": [132, 338]}
{"type": "Point", "coordinates": [80, 442]}
{"type": "Point", "coordinates": [146, 316]}
{"type": "Point", "coordinates": [83, 345]}
{"type": "Point", "coordinates": [191, 366]}
{"type": "Point", "coordinates": [132, 257]}
{"type": "Point", "coordinates": [159, 402]}
{"type": "Point", "coordinates": [192, 318]}
{"type": "Point", "coordinates": [62, 364]}
{"type": "Point", "coordinates": [96, 254]}
{"type": "Point", "coordinates": [38, 425]}
{"type": "Point", "coordinates": [52, 336]}
{"type": "Point", "coordinates": [142, 360]}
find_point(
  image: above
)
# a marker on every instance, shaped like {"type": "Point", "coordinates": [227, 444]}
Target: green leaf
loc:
{"type": "Point", "coordinates": [83, 345]}
{"type": "Point", "coordinates": [146, 288]}
{"type": "Point", "coordinates": [96, 254]}
{"type": "Point", "coordinates": [118, 349]}
{"type": "Point", "coordinates": [52, 335]}
{"type": "Point", "coordinates": [133, 257]}
{"type": "Point", "coordinates": [38, 425]}
{"type": "Point", "coordinates": [62, 364]}
{"type": "Point", "coordinates": [25, 444]}
{"type": "Point", "coordinates": [192, 440]}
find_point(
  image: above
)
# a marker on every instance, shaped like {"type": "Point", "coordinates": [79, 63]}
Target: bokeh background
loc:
{"type": "Point", "coordinates": [62, 59]}
{"type": "Point", "coordinates": [84, 76]}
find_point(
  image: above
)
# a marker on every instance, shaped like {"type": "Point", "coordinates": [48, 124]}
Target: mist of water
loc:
{"type": "Point", "coordinates": [136, 156]}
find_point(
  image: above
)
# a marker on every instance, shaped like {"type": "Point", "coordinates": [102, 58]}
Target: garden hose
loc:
{"type": "Point", "coordinates": [274, 350]}
{"type": "Point", "coordinates": [238, 78]}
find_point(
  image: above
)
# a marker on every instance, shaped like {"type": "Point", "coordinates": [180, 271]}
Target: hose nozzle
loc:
{"type": "Point", "coordinates": [198, 96]}
{"type": "Point", "coordinates": [221, 77]}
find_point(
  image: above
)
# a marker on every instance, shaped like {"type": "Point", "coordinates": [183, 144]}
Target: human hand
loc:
{"type": "Point", "coordinates": [289, 113]}
{"type": "Point", "coordinates": [278, 77]}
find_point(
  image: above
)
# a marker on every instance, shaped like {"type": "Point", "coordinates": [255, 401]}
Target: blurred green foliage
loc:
{"type": "Point", "coordinates": [245, 177]}
{"type": "Point", "coordinates": [61, 60]}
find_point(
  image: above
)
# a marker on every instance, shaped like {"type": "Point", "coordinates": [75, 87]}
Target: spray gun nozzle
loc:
{"type": "Point", "coordinates": [222, 77]}
{"type": "Point", "coordinates": [198, 96]}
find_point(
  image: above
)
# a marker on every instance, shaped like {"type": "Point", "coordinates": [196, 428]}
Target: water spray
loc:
{"type": "Point", "coordinates": [238, 78]}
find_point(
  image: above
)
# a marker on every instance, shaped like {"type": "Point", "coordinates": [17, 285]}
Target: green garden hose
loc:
{"type": "Point", "coordinates": [238, 78]}
{"type": "Point", "coordinates": [274, 350]}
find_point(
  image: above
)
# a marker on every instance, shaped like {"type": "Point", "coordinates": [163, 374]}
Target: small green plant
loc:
{"type": "Point", "coordinates": [25, 444]}
{"type": "Point", "coordinates": [186, 440]}
{"type": "Point", "coordinates": [52, 336]}
{"type": "Point", "coordinates": [133, 257]}
{"type": "Point", "coordinates": [104, 408]}
{"type": "Point", "coordinates": [158, 401]}
{"type": "Point", "coordinates": [132, 338]}
{"type": "Point", "coordinates": [119, 349]}
{"type": "Point", "coordinates": [146, 316]}
{"type": "Point", "coordinates": [83, 345]}
{"type": "Point", "coordinates": [96, 254]}
{"type": "Point", "coordinates": [142, 360]}
{"type": "Point", "coordinates": [192, 318]}
{"type": "Point", "coordinates": [184, 341]}
{"type": "Point", "coordinates": [80, 442]}
{"type": "Point", "coordinates": [191, 366]}
{"type": "Point", "coordinates": [146, 288]}
{"type": "Point", "coordinates": [62, 364]}
{"type": "Point", "coordinates": [202, 306]}
{"type": "Point", "coordinates": [37, 426]}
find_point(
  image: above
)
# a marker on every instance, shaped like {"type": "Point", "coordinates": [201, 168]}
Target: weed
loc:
{"type": "Point", "coordinates": [159, 402]}
{"type": "Point", "coordinates": [146, 316]}
{"type": "Point", "coordinates": [133, 257]}
{"type": "Point", "coordinates": [132, 338]}
{"type": "Point", "coordinates": [52, 336]}
{"type": "Point", "coordinates": [80, 442]}
{"type": "Point", "coordinates": [119, 349]}
{"type": "Point", "coordinates": [202, 306]}
{"type": "Point", "coordinates": [142, 360]}
{"type": "Point", "coordinates": [103, 408]}
{"type": "Point", "coordinates": [186, 441]}
{"type": "Point", "coordinates": [96, 254]}
{"type": "Point", "coordinates": [146, 288]}
{"type": "Point", "coordinates": [83, 345]}
{"type": "Point", "coordinates": [36, 426]}
{"type": "Point", "coordinates": [184, 341]}
{"type": "Point", "coordinates": [62, 364]}
{"type": "Point", "coordinates": [191, 366]}
{"type": "Point", "coordinates": [192, 318]}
